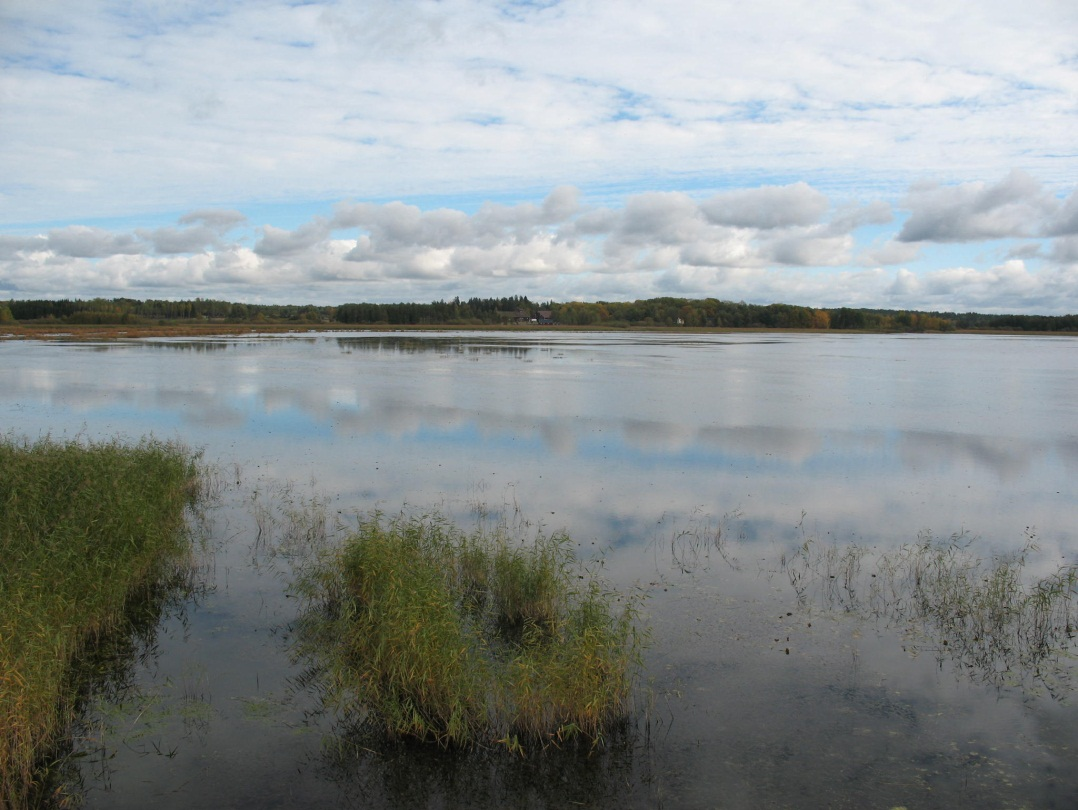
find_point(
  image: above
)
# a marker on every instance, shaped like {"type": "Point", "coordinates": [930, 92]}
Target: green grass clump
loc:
{"type": "Point", "coordinates": [83, 526]}
{"type": "Point", "coordinates": [470, 639]}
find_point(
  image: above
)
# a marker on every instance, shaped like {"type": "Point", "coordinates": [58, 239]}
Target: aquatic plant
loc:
{"type": "Point", "coordinates": [985, 613]}
{"type": "Point", "coordinates": [83, 527]}
{"type": "Point", "coordinates": [692, 542]}
{"type": "Point", "coordinates": [478, 639]}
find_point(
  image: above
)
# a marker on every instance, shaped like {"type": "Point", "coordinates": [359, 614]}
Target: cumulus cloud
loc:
{"type": "Point", "coordinates": [595, 221]}
{"type": "Point", "coordinates": [905, 285]}
{"type": "Point", "coordinates": [731, 250]}
{"type": "Point", "coordinates": [497, 241]}
{"type": "Point", "coordinates": [1065, 250]}
{"type": "Point", "coordinates": [851, 217]}
{"type": "Point", "coordinates": [180, 240]}
{"type": "Point", "coordinates": [767, 207]}
{"type": "Point", "coordinates": [204, 232]}
{"type": "Point", "coordinates": [808, 250]}
{"type": "Point", "coordinates": [398, 225]}
{"type": "Point", "coordinates": [11, 246]}
{"type": "Point", "coordinates": [1013, 207]}
{"type": "Point", "coordinates": [1007, 287]}
{"type": "Point", "coordinates": [660, 217]}
{"type": "Point", "coordinates": [561, 204]}
{"type": "Point", "coordinates": [1064, 222]}
{"type": "Point", "coordinates": [281, 242]}
{"type": "Point", "coordinates": [82, 242]}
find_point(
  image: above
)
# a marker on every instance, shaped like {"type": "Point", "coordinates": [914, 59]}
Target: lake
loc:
{"type": "Point", "coordinates": [769, 493]}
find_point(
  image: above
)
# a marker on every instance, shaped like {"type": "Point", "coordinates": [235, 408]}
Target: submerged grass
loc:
{"type": "Point", "coordinates": [476, 639]}
{"type": "Point", "coordinates": [83, 527]}
{"type": "Point", "coordinates": [998, 623]}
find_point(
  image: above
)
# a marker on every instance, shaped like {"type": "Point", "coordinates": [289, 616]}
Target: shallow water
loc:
{"type": "Point", "coordinates": [642, 447]}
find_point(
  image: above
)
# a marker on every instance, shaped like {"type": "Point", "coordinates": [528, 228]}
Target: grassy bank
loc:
{"type": "Point", "coordinates": [82, 527]}
{"type": "Point", "coordinates": [473, 639]}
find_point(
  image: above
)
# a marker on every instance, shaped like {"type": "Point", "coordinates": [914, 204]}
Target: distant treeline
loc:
{"type": "Point", "coordinates": [667, 312]}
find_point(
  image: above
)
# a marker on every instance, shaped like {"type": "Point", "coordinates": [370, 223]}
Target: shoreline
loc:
{"type": "Point", "coordinates": [88, 332]}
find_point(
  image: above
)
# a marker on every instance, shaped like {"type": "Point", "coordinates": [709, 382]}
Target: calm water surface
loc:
{"type": "Point", "coordinates": [642, 447]}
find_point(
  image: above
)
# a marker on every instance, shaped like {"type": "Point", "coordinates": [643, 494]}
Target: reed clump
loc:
{"type": "Point", "coordinates": [83, 527]}
{"type": "Point", "coordinates": [431, 633]}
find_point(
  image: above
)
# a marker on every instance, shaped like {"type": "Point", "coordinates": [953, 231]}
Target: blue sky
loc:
{"type": "Point", "coordinates": [878, 154]}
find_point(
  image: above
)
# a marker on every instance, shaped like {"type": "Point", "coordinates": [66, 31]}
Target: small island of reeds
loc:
{"type": "Point", "coordinates": [424, 631]}
{"type": "Point", "coordinates": [83, 527]}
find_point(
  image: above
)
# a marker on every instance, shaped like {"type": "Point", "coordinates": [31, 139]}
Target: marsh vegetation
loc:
{"type": "Point", "coordinates": [471, 639]}
{"type": "Point", "coordinates": [89, 530]}
{"type": "Point", "coordinates": [986, 613]}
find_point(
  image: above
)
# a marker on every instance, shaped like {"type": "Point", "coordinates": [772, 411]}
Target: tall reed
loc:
{"type": "Point", "coordinates": [462, 639]}
{"type": "Point", "coordinates": [83, 526]}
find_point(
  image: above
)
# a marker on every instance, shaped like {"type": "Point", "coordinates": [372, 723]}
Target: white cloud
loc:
{"type": "Point", "coordinates": [1065, 251]}
{"type": "Point", "coordinates": [80, 241]}
{"type": "Point", "coordinates": [905, 285]}
{"type": "Point", "coordinates": [851, 217]}
{"type": "Point", "coordinates": [561, 204]}
{"type": "Point", "coordinates": [763, 151]}
{"type": "Point", "coordinates": [733, 250]}
{"type": "Point", "coordinates": [109, 112]}
{"type": "Point", "coordinates": [280, 242]}
{"type": "Point", "coordinates": [976, 211]}
{"type": "Point", "coordinates": [561, 247]}
{"type": "Point", "coordinates": [1008, 287]}
{"type": "Point", "coordinates": [767, 207]}
{"type": "Point", "coordinates": [179, 240]}
{"type": "Point", "coordinates": [811, 250]}
{"type": "Point", "coordinates": [12, 246]}
{"type": "Point", "coordinates": [664, 218]}
{"type": "Point", "coordinates": [1065, 221]}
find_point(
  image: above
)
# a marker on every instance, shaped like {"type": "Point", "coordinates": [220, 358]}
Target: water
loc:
{"type": "Point", "coordinates": [640, 446]}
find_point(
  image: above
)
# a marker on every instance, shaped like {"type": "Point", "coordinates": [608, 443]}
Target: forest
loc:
{"type": "Point", "coordinates": [519, 310]}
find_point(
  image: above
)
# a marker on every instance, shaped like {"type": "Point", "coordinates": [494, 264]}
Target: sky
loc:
{"type": "Point", "coordinates": [860, 153]}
